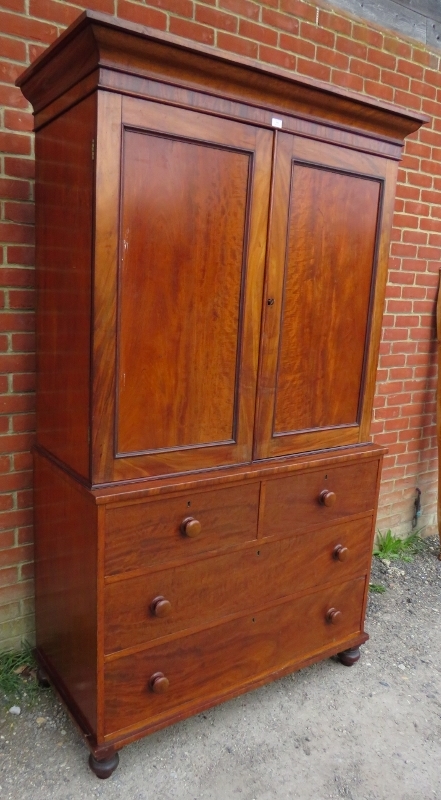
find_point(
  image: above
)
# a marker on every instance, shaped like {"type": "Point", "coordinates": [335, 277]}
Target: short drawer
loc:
{"type": "Point", "coordinates": [144, 608]}
{"type": "Point", "coordinates": [144, 534]}
{"type": "Point", "coordinates": [318, 497]}
{"type": "Point", "coordinates": [209, 665]}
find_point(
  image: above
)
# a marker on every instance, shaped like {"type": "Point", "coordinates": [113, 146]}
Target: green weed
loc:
{"type": "Point", "coordinates": [377, 588]}
{"type": "Point", "coordinates": [388, 546]}
{"type": "Point", "coordinates": [18, 673]}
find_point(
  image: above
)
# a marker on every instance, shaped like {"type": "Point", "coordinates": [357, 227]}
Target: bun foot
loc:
{"type": "Point", "coordinates": [349, 657]}
{"type": "Point", "coordinates": [104, 768]}
{"type": "Point", "coordinates": [42, 679]}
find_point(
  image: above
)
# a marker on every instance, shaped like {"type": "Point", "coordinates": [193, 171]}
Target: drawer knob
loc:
{"type": "Point", "coordinates": [160, 607]}
{"type": "Point", "coordinates": [159, 683]}
{"type": "Point", "coordinates": [341, 553]}
{"type": "Point", "coordinates": [327, 498]}
{"type": "Point", "coordinates": [333, 616]}
{"type": "Point", "coordinates": [191, 527]}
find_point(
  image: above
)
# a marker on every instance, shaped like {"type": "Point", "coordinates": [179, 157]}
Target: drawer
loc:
{"type": "Point", "coordinates": [299, 501]}
{"type": "Point", "coordinates": [144, 534]}
{"type": "Point", "coordinates": [207, 666]}
{"type": "Point", "coordinates": [211, 588]}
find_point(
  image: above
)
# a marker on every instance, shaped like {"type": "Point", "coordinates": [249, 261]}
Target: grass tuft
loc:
{"type": "Point", "coordinates": [18, 673]}
{"type": "Point", "coordinates": [389, 546]}
{"type": "Point", "coordinates": [377, 588]}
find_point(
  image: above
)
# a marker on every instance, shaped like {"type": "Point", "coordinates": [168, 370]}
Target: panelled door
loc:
{"type": "Point", "coordinates": [189, 195]}
{"type": "Point", "coordinates": [319, 345]}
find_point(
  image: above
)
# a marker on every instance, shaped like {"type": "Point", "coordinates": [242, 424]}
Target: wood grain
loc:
{"type": "Point", "coordinates": [66, 583]}
{"type": "Point", "coordinates": [145, 534]}
{"type": "Point", "coordinates": [256, 645]}
{"type": "Point", "coordinates": [198, 592]}
{"type": "Point", "coordinates": [64, 192]}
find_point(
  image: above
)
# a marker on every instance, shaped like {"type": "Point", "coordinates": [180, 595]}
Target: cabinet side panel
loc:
{"type": "Point", "coordinates": [64, 197]}
{"type": "Point", "coordinates": [65, 585]}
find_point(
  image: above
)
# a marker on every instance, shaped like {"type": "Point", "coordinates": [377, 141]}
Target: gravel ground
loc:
{"type": "Point", "coordinates": [370, 732]}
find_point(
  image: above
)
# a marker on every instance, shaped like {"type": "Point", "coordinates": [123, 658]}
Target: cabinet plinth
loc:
{"type": "Point", "coordinates": [210, 293]}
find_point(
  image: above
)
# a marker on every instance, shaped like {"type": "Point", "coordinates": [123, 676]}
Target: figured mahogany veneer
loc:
{"type": "Point", "coordinates": [212, 248]}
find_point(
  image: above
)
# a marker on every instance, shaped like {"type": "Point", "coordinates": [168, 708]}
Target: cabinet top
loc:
{"type": "Point", "coordinates": [98, 43]}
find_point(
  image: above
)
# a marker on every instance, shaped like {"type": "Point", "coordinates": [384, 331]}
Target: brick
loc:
{"type": "Point", "coordinates": [9, 71]}
{"type": "Point", "coordinates": [398, 249]}
{"type": "Point", "coordinates": [381, 59]}
{"type": "Point", "coordinates": [406, 221]}
{"type": "Point", "coordinates": [319, 71]}
{"type": "Point", "coordinates": [18, 120]}
{"type": "Point", "coordinates": [273, 56]}
{"type": "Point", "coordinates": [60, 13]}
{"type": "Point", "coordinates": [368, 35]}
{"type": "Point", "coordinates": [19, 167]}
{"type": "Point", "coordinates": [397, 47]}
{"type": "Point", "coordinates": [424, 57]}
{"type": "Point", "coordinates": [406, 67]}
{"type": "Point", "coordinates": [364, 69]}
{"type": "Point", "coordinates": [318, 35]}
{"type": "Point", "coordinates": [23, 342]}
{"type": "Point", "coordinates": [15, 443]}
{"type": "Point", "coordinates": [416, 237]}
{"type": "Point", "coordinates": [27, 28]}
{"type": "Point", "coordinates": [379, 91]}
{"type": "Point", "coordinates": [14, 5]}
{"type": "Point", "coordinates": [8, 576]}
{"type": "Point", "coordinates": [143, 15]}
{"type": "Point", "coordinates": [192, 30]}
{"type": "Point", "coordinates": [338, 24]}
{"type": "Point", "coordinates": [408, 100]}
{"type": "Point", "coordinates": [244, 8]}
{"type": "Point", "coordinates": [421, 88]}
{"type": "Point", "coordinates": [283, 22]}
{"type": "Point", "coordinates": [21, 298]}
{"type": "Point", "coordinates": [15, 143]}
{"type": "Point", "coordinates": [184, 8]}
{"type": "Point", "coordinates": [24, 256]}
{"type": "Point", "coordinates": [297, 45]}
{"type": "Point", "coordinates": [331, 57]}
{"type": "Point", "coordinates": [23, 423]}
{"type": "Point", "coordinates": [347, 80]}
{"type": "Point", "coordinates": [217, 19]}
{"type": "Point", "coordinates": [299, 9]}
{"type": "Point", "coordinates": [429, 252]}
{"type": "Point", "coordinates": [9, 232]}
{"type": "Point", "coordinates": [26, 571]}
{"type": "Point", "coordinates": [392, 78]}
{"type": "Point", "coordinates": [25, 498]}
{"type": "Point", "coordinates": [235, 44]}
{"type": "Point", "coordinates": [418, 179]}
{"type": "Point", "coordinates": [25, 535]}
{"type": "Point", "coordinates": [14, 189]}
{"type": "Point", "coordinates": [13, 49]}
{"type": "Point", "coordinates": [16, 276]}
{"type": "Point", "coordinates": [12, 96]}
{"type": "Point", "coordinates": [250, 30]}
{"type": "Point", "coordinates": [24, 382]}
{"type": "Point", "coordinates": [351, 48]}
{"type": "Point", "coordinates": [20, 212]}
{"type": "Point", "coordinates": [15, 481]}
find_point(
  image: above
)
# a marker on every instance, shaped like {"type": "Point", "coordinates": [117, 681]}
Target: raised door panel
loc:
{"type": "Point", "coordinates": [187, 270]}
{"type": "Point", "coordinates": [323, 249]}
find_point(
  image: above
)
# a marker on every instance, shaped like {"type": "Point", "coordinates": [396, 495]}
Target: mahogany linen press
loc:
{"type": "Point", "coordinates": [212, 248]}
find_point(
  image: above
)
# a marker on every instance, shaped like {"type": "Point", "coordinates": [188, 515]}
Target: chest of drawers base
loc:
{"type": "Point", "coordinates": [191, 593]}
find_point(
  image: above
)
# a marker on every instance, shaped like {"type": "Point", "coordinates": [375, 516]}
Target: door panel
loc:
{"type": "Point", "coordinates": [192, 200]}
{"type": "Point", "coordinates": [322, 259]}
{"type": "Point", "coordinates": [184, 226]}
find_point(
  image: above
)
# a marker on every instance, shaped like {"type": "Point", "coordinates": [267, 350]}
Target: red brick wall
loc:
{"type": "Point", "coordinates": [310, 40]}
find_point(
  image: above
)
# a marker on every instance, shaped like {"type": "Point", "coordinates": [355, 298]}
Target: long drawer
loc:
{"type": "Point", "coordinates": [144, 608]}
{"type": "Point", "coordinates": [204, 667]}
{"type": "Point", "coordinates": [147, 533]}
{"type": "Point", "coordinates": [318, 497]}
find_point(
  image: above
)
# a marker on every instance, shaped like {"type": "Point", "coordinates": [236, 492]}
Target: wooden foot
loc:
{"type": "Point", "coordinates": [42, 679]}
{"type": "Point", "coordinates": [349, 657]}
{"type": "Point", "coordinates": [105, 767]}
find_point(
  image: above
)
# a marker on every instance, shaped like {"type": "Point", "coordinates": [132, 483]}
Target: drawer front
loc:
{"type": "Point", "coordinates": [206, 666]}
{"type": "Point", "coordinates": [145, 534]}
{"type": "Point", "coordinates": [298, 501]}
{"type": "Point", "coordinates": [209, 589]}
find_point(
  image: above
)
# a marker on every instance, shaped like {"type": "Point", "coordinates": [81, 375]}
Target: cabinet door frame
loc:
{"type": "Point", "coordinates": [114, 114]}
{"type": "Point", "coordinates": [290, 149]}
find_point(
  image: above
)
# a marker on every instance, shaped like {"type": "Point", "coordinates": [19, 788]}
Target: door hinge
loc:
{"type": "Point", "coordinates": [93, 149]}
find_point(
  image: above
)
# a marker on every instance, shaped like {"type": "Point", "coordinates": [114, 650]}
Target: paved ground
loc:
{"type": "Point", "coordinates": [369, 732]}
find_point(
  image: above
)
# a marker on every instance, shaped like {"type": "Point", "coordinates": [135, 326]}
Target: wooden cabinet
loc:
{"type": "Point", "coordinates": [212, 245]}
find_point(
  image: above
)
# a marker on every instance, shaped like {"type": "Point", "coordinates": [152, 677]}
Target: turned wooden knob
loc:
{"type": "Point", "coordinates": [160, 607]}
{"type": "Point", "coordinates": [341, 553]}
{"type": "Point", "coordinates": [191, 527]}
{"type": "Point", "coordinates": [333, 616]}
{"type": "Point", "coordinates": [327, 498]}
{"type": "Point", "coordinates": [159, 683]}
